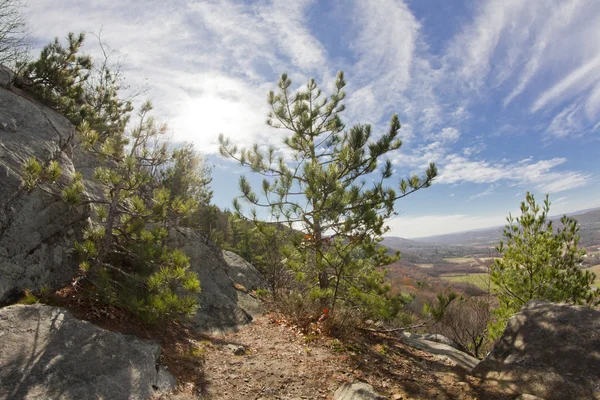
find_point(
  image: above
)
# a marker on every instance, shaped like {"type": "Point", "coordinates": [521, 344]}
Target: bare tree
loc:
{"type": "Point", "coordinates": [14, 43]}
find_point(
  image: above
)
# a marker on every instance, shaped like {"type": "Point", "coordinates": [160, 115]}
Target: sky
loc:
{"type": "Point", "coordinates": [503, 95]}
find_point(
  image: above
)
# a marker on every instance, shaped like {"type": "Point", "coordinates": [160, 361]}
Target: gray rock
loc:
{"type": "Point", "coordinates": [37, 229]}
{"type": "Point", "coordinates": [434, 337]}
{"type": "Point", "coordinates": [528, 397]}
{"type": "Point", "coordinates": [6, 76]}
{"type": "Point", "coordinates": [242, 272]}
{"type": "Point", "coordinates": [448, 352]}
{"type": "Point", "coordinates": [548, 350]}
{"type": "Point", "coordinates": [45, 353]}
{"type": "Point", "coordinates": [224, 304]}
{"type": "Point", "coordinates": [237, 349]}
{"type": "Point", "coordinates": [356, 391]}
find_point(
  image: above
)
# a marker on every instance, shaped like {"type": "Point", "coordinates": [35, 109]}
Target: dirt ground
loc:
{"type": "Point", "coordinates": [276, 361]}
{"type": "Point", "coordinates": [270, 359]}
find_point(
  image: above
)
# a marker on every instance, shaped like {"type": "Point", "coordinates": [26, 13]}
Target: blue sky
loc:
{"type": "Point", "coordinates": [504, 95]}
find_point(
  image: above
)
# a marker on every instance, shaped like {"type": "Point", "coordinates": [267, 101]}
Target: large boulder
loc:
{"type": "Point", "coordinates": [548, 350]}
{"type": "Point", "coordinates": [45, 353]}
{"type": "Point", "coordinates": [227, 280]}
{"type": "Point", "coordinates": [37, 229]}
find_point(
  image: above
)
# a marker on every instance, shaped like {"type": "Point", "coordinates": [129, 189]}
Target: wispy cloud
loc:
{"type": "Point", "coordinates": [478, 148]}
{"type": "Point", "coordinates": [566, 123]}
{"type": "Point", "coordinates": [210, 64]}
{"type": "Point", "coordinates": [486, 192]}
{"type": "Point", "coordinates": [540, 174]}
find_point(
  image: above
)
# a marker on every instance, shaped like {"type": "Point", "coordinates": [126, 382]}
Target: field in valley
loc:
{"type": "Point", "coordinates": [462, 259]}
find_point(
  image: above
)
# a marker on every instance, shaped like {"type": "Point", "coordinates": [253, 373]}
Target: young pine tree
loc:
{"type": "Point", "coordinates": [539, 262]}
{"type": "Point", "coordinates": [125, 258]}
{"type": "Point", "coordinates": [125, 252]}
{"type": "Point", "coordinates": [77, 87]}
{"type": "Point", "coordinates": [332, 186]}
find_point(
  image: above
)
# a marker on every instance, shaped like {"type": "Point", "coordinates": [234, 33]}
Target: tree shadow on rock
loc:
{"type": "Point", "coordinates": [548, 350]}
{"type": "Point", "coordinates": [46, 353]}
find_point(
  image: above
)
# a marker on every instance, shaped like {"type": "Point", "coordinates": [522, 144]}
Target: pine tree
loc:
{"type": "Point", "coordinates": [322, 189]}
{"type": "Point", "coordinates": [539, 263]}
{"type": "Point", "coordinates": [148, 191]}
{"type": "Point", "coordinates": [128, 240]}
{"type": "Point", "coordinates": [77, 87]}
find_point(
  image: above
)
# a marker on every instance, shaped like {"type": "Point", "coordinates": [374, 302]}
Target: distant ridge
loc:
{"type": "Point", "coordinates": [589, 220]}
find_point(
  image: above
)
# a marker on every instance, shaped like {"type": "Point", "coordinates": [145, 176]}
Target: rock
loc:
{"type": "Point", "coordinates": [237, 349]}
{"type": "Point", "coordinates": [37, 229]}
{"type": "Point", "coordinates": [547, 350]}
{"type": "Point", "coordinates": [528, 397]}
{"type": "Point", "coordinates": [242, 272]}
{"type": "Point", "coordinates": [6, 76]}
{"type": "Point", "coordinates": [450, 353]}
{"type": "Point", "coordinates": [356, 391]}
{"type": "Point", "coordinates": [45, 353]}
{"type": "Point", "coordinates": [439, 338]}
{"type": "Point", "coordinates": [434, 337]}
{"type": "Point", "coordinates": [222, 306]}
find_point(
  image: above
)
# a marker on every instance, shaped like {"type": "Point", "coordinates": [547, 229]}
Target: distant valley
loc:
{"type": "Point", "coordinates": [463, 257]}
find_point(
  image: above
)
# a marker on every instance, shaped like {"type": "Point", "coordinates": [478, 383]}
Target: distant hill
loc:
{"type": "Point", "coordinates": [481, 239]}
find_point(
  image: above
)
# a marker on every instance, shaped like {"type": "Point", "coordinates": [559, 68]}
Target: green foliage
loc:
{"type": "Point", "coordinates": [29, 298]}
{"type": "Point", "coordinates": [438, 309]}
{"type": "Point", "coordinates": [321, 188]}
{"type": "Point", "coordinates": [125, 258]}
{"type": "Point", "coordinates": [32, 172]}
{"type": "Point", "coordinates": [262, 244]}
{"type": "Point", "coordinates": [77, 87]}
{"type": "Point", "coordinates": [188, 175]}
{"type": "Point", "coordinates": [58, 76]}
{"type": "Point", "coordinates": [539, 263]}
{"type": "Point", "coordinates": [132, 226]}
{"type": "Point", "coordinates": [72, 193]}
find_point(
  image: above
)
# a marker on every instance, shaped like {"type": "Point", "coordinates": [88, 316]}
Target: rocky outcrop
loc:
{"type": "Point", "coordinates": [548, 350]}
{"type": "Point", "coordinates": [356, 391]}
{"type": "Point", "coordinates": [226, 300]}
{"type": "Point", "coordinates": [45, 353]}
{"type": "Point", "coordinates": [37, 229]}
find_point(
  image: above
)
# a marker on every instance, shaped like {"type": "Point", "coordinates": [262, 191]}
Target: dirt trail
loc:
{"type": "Point", "coordinates": [276, 361]}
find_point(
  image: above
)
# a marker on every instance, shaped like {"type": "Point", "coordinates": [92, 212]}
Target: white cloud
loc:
{"type": "Point", "coordinates": [577, 81]}
{"type": "Point", "coordinates": [541, 50]}
{"type": "Point", "coordinates": [566, 123]}
{"type": "Point", "coordinates": [393, 73]}
{"type": "Point", "coordinates": [470, 52]}
{"type": "Point", "coordinates": [478, 148]}
{"type": "Point", "coordinates": [210, 64]}
{"type": "Point", "coordinates": [449, 135]}
{"type": "Point", "coordinates": [539, 175]}
{"type": "Point", "coordinates": [561, 17]}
